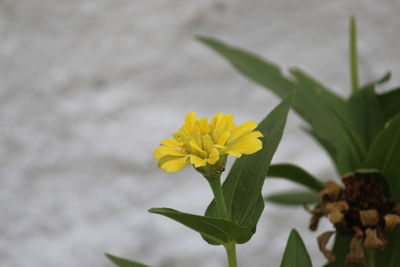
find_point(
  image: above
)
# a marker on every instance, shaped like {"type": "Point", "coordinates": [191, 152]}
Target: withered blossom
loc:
{"type": "Point", "coordinates": [361, 210]}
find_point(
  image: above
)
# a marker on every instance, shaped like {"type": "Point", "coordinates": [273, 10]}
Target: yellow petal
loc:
{"type": "Point", "coordinates": [162, 151]}
{"type": "Point", "coordinates": [190, 123]}
{"type": "Point", "coordinates": [222, 139]}
{"type": "Point", "coordinates": [245, 128]}
{"type": "Point", "coordinates": [203, 125]}
{"type": "Point", "coordinates": [246, 137]}
{"type": "Point", "coordinates": [234, 153]}
{"type": "Point", "coordinates": [179, 136]}
{"type": "Point", "coordinates": [171, 142]}
{"type": "Point", "coordinates": [214, 156]}
{"type": "Point", "coordinates": [248, 146]}
{"type": "Point", "coordinates": [173, 164]}
{"type": "Point", "coordinates": [216, 120]}
{"type": "Point", "coordinates": [197, 161]}
{"type": "Point", "coordinates": [191, 118]}
{"type": "Point", "coordinates": [224, 124]}
{"type": "Point", "coordinates": [196, 146]}
{"type": "Point", "coordinates": [208, 144]}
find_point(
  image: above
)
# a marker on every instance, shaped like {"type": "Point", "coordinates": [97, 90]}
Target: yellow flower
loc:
{"type": "Point", "coordinates": [201, 143]}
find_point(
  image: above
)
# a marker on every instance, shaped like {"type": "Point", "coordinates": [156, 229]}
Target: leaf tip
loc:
{"type": "Point", "coordinates": [152, 210]}
{"type": "Point", "coordinates": [204, 39]}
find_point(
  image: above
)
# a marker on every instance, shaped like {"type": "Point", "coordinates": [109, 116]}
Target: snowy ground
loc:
{"type": "Point", "coordinates": [88, 88]}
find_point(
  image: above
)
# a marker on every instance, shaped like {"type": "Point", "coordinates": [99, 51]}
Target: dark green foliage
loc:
{"type": "Point", "coordinates": [219, 231]}
{"type": "Point", "coordinates": [242, 188]}
{"type": "Point", "coordinates": [395, 248]}
{"type": "Point", "coordinates": [390, 103]}
{"type": "Point", "coordinates": [361, 132]}
{"type": "Point", "coordinates": [390, 256]}
{"type": "Point", "coordinates": [292, 198]}
{"type": "Point", "coordinates": [385, 155]}
{"type": "Point", "coordinates": [295, 174]}
{"type": "Point", "coordinates": [325, 112]}
{"type": "Point", "coordinates": [124, 262]}
{"type": "Point", "coordinates": [366, 114]}
{"type": "Point", "coordinates": [340, 249]}
{"type": "Point", "coordinates": [295, 254]}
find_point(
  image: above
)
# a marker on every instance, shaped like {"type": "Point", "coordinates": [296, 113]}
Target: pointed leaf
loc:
{"type": "Point", "coordinates": [385, 155]}
{"type": "Point", "coordinates": [296, 254]}
{"type": "Point", "coordinates": [253, 67]}
{"type": "Point", "coordinates": [385, 78]}
{"type": "Point", "coordinates": [292, 198]}
{"type": "Point", "coordinates": [315, 104]}
{"type": "Point", "coordinates": [395, 257]}
{"type": "Point", "coordinates": [366, 114]}
{"type": "Point", "coordinates": [389, 256]}
{"type": "Point", "coordinates": [390, 103]}
{"type": "Point", "coordinates": [218, 230]}
{"type": "Point", "coordinates": [124, 262]}
{"type": "Point", "coordinates": [242, 188]}
{"type": "Point", "coordinates": [327, 95]}
{"type": "Point", "coordinates": [295, 174]}
{"type": "Point", "coordinates": [340, 249]}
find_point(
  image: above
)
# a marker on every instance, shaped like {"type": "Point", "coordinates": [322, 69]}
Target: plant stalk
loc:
{"type": "Point", "coordinates": [353, 54]}
{"type": "Point", "coordinates": [215, 183]}
{"type": "Point", "coordinates": [231, 253]}
{"type": "Point", "coordinates": [370, 258]}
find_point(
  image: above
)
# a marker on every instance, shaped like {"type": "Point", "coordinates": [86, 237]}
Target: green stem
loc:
{"type": "Point", "coordinates": [231, 253]}
{"type": "Point", "coordinates": [215, 183]}
{"type": "Point", "coordinates": [353, 54]}
{"type": "Point", "coordinates": [370, 258]}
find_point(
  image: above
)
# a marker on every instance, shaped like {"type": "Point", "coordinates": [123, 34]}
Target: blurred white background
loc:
{"type": "Point", "coordinates": [89, 88]}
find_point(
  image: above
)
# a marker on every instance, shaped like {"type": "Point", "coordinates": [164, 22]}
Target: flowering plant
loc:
{"type": "Point", "coordinates": [361, 134]}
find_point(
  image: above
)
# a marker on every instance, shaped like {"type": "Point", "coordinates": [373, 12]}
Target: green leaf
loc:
{"type": "Point", "coordinates": [353, 54]}
{"type": "Point", "coordinates": [340, 249]}
{"type": "Point", "coordinates": [385, 78]}
{"type": "Point", "coordinates": [395, 257]}
{"type": "Point", "coordinates": [320, 90]}
{"type": "Point", "coordinates": [389, 256]}
{"type": "Point", "coordinates": [242, 188]}
{"type": "Point", "coordinates": [366, 114]}
{"type": "Point", "coordinates": [218, 230]}
{"type": "Point", "coordinates": [296, 254]}
{"type": "Point", "coordinates": [292, 198]}
{"type": "Point", "coordinates": [124, 262]}
{"type": "Point", "coordinates": [295, 174]}
{"type": "Point", "coordinates": [318, 106]}
{"type": "Point", "coordinates": [390, 103]}
{"type": "Point", "coordinates": [253, 67]}
{"type": "Point", "coordinates": [385, 155]}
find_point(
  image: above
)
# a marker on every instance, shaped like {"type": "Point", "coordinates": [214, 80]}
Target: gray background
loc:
{"type": "Point", "coordinates": [89, 88]}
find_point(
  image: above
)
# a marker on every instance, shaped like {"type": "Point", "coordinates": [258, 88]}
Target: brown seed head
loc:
{"type": "Point", "coordinates": [361, 210]}
{"type": "Point", "coordinates": [372, 239]}
{"type": "Point", "coordinates": [356, 253]}
{"type": "Point", "coordinates": [369, 218]}
{"type": "Point", "coordinates": [331, 192]}
{"type": "Point", "coordinates": [323, 240]}
{"type": "Point", "coordinates": [391, 220]}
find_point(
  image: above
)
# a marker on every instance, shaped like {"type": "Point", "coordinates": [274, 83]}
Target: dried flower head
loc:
{"type": "Point", "coordinates": [361, 210]}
